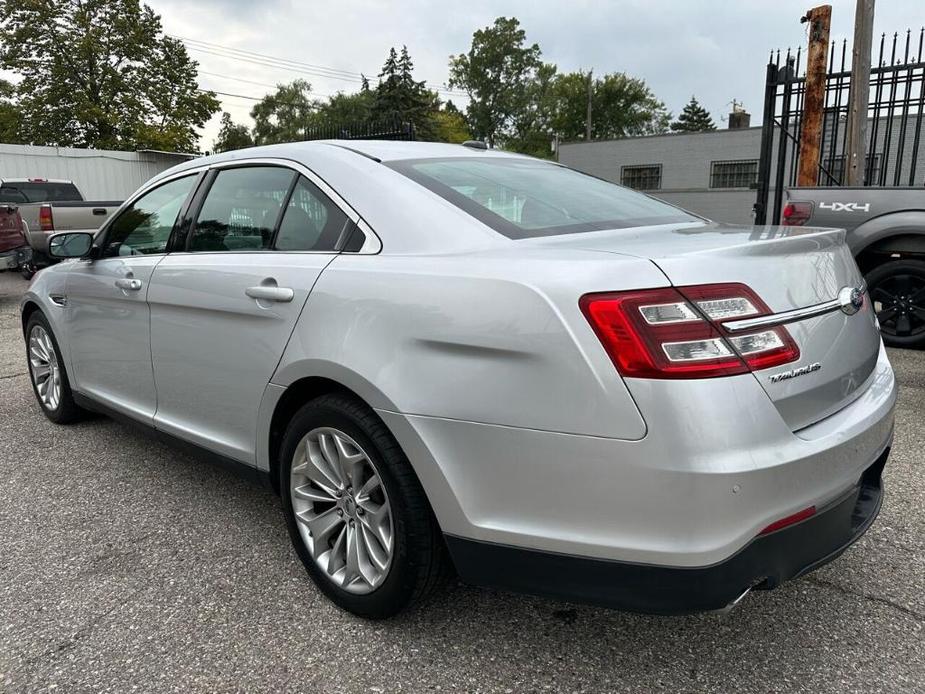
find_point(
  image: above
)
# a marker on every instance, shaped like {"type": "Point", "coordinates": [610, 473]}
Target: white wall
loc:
{"type": "Point", "coordinates": [98, 173]}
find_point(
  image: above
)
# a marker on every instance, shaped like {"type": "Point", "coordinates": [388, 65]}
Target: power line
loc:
{"type": "Point", "coordinates": [321, 70]}
{"type": "Point", "coordinates": [264, 56]}
{"type": "Point", "coordinates": [287, 64]}
{"type": "Point", "coordinates": [238, 79]}
{"type": "Point", "coordinates": [252, 98]}
{"type": "Point", "coordinates": [312, 92]}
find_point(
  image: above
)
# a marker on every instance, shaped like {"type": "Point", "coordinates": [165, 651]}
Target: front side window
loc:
{"type": "Point", "coordinates": [145, 227]}
{"type": "Point", "coordinates": [241, 209]}
{"type": "Point", "coordinates": [311, 221]}
{"type": "Point", "coordinates": [521, 198]}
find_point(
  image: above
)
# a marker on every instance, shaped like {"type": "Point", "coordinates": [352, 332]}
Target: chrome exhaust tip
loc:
{"type": "Point", "coordinates": [728, 608]}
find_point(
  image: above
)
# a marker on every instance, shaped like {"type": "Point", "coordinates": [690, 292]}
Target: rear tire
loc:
{"type": "Point", "coordinates": [897, 291]}
{"type": "Point", "coordinates": [47, 372]}
{"type": "Point", "coordinates": [359, 453]}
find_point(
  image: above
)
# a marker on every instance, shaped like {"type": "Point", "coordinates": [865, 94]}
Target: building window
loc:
{"type": "Point", "coordinates": [734, 174]}
{"type": "Point", "coordinates": [836, 168]}
{"type": "Point", "coordinates": [647, 177]}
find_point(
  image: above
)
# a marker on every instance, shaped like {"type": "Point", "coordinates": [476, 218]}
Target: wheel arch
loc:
{"type": "Point", "coordinates": [447, 512]}
{"type": "Point", "coordinates": [28, 308]}
{"type": "Point", "coordinates": [295, 396]}
{"type": "Point", "coordinates": [875, 241]}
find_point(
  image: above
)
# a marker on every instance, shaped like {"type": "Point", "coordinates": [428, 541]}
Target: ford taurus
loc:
{"type": "Point", "coordinates": [445, 356]}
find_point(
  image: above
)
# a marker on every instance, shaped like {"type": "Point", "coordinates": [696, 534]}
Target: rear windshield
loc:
{"type": "Point", "coordinates": [521, 198]}
{"type": "Point", "coordinates": [39, 191]}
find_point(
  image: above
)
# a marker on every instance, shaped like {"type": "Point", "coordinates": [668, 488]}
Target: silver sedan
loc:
{"type": "Point", "coordinates": [445, 356]}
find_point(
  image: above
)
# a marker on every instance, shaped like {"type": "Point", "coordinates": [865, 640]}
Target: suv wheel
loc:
{"type": "Point", "coordinates": [356, 512]}
{"type": "Point", "coordinates": [46, 370]}
{"type": "Point", "coordinates": [897, 290]}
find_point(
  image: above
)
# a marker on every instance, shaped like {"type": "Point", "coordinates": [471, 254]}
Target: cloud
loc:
{"type": "Point", "coordinates": [714, 49]}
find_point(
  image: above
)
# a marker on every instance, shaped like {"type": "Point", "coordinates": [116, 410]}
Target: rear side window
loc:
{"type": "Point", "coordinates": [39, 191]}
{"type": "Point", "coordinates": [241, 209]}
{"type": "Point", "coordinates": [521, 198]}
{"type": "Point", "coordinates": [311, 221]}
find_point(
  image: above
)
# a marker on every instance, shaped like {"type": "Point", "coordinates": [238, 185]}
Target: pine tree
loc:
{"type": "Point", "coordinates": [693, 119]}
{"type": "Point", "coordinates": [399, 97]}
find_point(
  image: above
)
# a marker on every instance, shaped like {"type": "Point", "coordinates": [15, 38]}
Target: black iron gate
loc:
{"type": "Point", "coordinates": [896, 109]}
{"type": "Point", "coordinates": [365, 130]}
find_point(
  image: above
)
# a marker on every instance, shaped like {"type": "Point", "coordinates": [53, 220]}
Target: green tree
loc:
{"type": "Point", "coordinates": [450, 125]}
{"type": "Point", "coordinates": [100, 73]}
{"type": "Point", "coordinates": [10, 115]}
{"type": "Point", "coordinates": [232, 135]}
{"type": "Point", "coordinates": [284, 115]}
{"type": "Point", "coordinates": [626, 107]}
{"type": "Point", "coordinates": [532, 128]}
{"type": "Point", "coordinates": [694, 118]}
{"type": "Point", "coordinates": [400, 97]}
{"type": "Point", "coordinates": [496, 74]}
{"type": "Point", "coordinates": [345, 109]}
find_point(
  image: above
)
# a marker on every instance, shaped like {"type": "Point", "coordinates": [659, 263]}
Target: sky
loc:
{"type": "Point", "coordinates": [716, 50]}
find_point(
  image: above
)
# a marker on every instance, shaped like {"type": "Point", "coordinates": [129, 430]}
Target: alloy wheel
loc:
{"type": "Point", "coordinates": [43, 365]}
{"type": "Point", "coordinates": [899, 301]}
{"type": "Point", "coordinates": [342, 510]}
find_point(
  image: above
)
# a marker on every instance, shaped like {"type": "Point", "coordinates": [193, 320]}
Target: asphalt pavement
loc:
{"type": "Point", "coordinates": [126, 565]}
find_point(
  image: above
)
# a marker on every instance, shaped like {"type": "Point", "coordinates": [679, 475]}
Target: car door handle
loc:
{"type": "Point", "coordinates": [268, 293]}
{"type": "Point", "coordinates": [129, 284]}
{"type": "Point", "coordinates": [99, 210]}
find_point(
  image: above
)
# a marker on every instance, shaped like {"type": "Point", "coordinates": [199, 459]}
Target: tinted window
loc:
{"type": "Point", "coordinates": [37, 191]}
{"type": "Point", "coordinates": [522, 197]}
{"type": "Point", "coordinates": [311, 222]}
{"type": "Point", "coordinates": [241, 209]}
{"type": "Point", "coordinates": [10, 194]}
{"type": "Point", "coordinates": [145, 227]}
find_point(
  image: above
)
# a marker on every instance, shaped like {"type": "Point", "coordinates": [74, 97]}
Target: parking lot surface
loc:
{"type": "Point", "coordinates": [126, 565]}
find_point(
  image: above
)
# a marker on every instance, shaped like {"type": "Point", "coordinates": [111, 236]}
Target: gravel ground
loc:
{"type": "Point", "coordinates": [125, 565]}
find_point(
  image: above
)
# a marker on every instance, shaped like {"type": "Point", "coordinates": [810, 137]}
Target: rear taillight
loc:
{"type": "Point", "coordinates": [796, 214]}
{"type": "Point", "coordinates": [678, 333]}
{"type": "Point", "coordinates": [46, 221]}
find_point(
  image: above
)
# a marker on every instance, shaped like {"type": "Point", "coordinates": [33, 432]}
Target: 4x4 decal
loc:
{"type": "Point", "coordinates": [845, 206]}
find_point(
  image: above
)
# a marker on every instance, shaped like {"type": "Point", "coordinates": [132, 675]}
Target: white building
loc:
{"type": "Point", "coordinates": [98, 173]}
{"type": "Point", "coordinates": [714, 173]}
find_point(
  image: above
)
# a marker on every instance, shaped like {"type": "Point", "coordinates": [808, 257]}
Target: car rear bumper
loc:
{"type": "Point", "coordinates": [764, 563]}
{"type": "Point", "coordinates": [12, 259]}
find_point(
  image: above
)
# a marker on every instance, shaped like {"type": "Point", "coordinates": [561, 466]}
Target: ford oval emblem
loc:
{"type": "Point", "coordinates": [851, 300]}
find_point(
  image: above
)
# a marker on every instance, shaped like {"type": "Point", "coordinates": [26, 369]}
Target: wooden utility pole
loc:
{"type": "Point", "coordinates": [588, 120]}
{"type": "Point", "coordinates": [856, 144]}
{"type": "Point", "coordinates": [819, 19]}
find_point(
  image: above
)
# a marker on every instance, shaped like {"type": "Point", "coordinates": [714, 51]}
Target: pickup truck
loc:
{"type": "Point", "coordinates": [886, 233]}
{"type": "Point", "coordinates": [48, 206]}
{"type": "Point", "coordinates": [14, 251]}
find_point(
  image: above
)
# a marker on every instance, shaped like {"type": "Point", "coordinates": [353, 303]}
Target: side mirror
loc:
{"type": "Point", "coordinates": [70, 244]}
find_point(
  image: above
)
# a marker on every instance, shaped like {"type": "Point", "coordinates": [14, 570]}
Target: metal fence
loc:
{"type": "Point", "coordinates": [367, 130]}
{"type": "Point", "coordinates": [896, 109]}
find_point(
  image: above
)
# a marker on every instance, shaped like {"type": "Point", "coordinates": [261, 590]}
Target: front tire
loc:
{"type": "Point", "coordinates": [357, 515]}
{"type": "Point", "coordinates": [897, 290]}
{"type": "Point", "coordinates": [47, 372]}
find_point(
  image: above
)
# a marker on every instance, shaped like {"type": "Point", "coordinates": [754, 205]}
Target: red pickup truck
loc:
{"type": "Point", "coordinates": [14, 250]}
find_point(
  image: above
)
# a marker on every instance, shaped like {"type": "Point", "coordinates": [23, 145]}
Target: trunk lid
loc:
{"type": "Point", "coordinates": [11, 235]}
{"type": "Point", "coordinates": [789, 268]}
